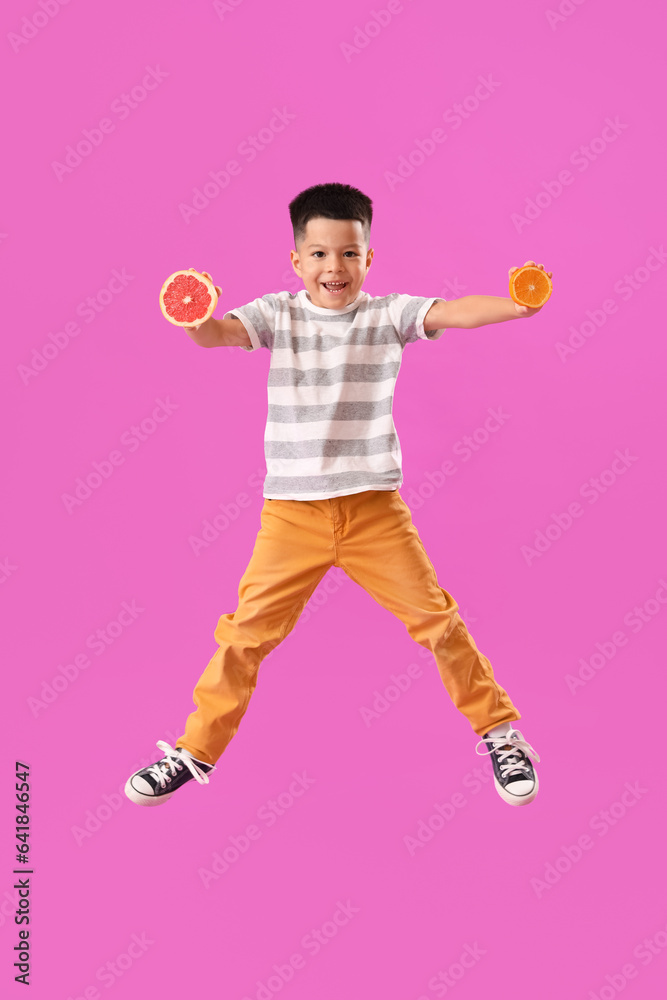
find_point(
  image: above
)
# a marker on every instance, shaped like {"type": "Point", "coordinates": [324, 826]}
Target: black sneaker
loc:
{"type": "Point", "coordinates": [155, 784]}
{"type": "Point", "coordinates": [514, 775]}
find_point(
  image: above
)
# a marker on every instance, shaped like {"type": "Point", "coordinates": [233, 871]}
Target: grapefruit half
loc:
{"type": "Point", "coordinates": [188, 298]}
{"type": "Point", "coordinates": [530, 286]}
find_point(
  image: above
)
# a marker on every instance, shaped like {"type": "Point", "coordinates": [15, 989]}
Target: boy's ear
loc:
{"type": "Point", "coordinates": [294, 258]}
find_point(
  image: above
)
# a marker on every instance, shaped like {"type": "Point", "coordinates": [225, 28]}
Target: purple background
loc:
{"type": "Point", "coordinates": [548, 901]}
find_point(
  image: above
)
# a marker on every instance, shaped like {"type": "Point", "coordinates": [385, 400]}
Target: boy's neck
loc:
{"type": "Point", "coordinates": [332, 308]}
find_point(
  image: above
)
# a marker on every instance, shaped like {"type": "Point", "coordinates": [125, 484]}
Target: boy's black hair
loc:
{"type": "Point", "coordinates": [330, 201]}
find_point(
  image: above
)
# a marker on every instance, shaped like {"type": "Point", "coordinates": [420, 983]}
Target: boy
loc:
{"type": "Point", "coordinates": [331, 494]}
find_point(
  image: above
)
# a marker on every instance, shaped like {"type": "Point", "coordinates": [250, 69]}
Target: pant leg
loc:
{"type": "Point", "coordinates": [380, 549]}
{"type": "Point", "coordinates": [293, 551]}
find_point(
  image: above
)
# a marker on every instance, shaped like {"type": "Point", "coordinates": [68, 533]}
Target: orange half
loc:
{"type": "Point", "coordinates": [530, 286]}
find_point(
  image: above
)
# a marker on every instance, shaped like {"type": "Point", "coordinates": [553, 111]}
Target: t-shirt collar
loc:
{"type": "Point", "coordinates": [307, 302]}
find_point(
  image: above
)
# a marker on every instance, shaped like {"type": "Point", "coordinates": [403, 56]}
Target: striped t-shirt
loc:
{"type": "Point", "coordinates": [329, 427]}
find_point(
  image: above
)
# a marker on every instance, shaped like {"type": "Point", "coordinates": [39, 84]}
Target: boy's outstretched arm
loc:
{"type": "Point", "coordinates": [477, 310]}
{"type": "Point", "coordinates": [218, 332]}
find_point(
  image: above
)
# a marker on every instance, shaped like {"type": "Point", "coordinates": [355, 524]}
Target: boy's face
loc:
{"type": "Point", "coordinates": [333, 250]}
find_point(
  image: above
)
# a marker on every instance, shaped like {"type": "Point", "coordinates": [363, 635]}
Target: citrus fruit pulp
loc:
{"type": "Point", "coordinates": [188, 298]}
{"type": "Point", "coordinates": [530, 286]}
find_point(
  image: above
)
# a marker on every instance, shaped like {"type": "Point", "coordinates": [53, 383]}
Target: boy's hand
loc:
{"type": "Point", "coordinates": [527, 310]}
{"type": "Point", "coordinates": [217, 288]}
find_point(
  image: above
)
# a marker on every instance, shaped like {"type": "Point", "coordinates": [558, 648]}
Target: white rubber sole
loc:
{"type": "Point", "coordinates": [517, 800]}
{"type": "Point", "coordinates": [144, 800]}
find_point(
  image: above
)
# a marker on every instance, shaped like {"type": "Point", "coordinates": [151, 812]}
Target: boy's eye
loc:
{"type": "Point", "coordinates": [315, 253]}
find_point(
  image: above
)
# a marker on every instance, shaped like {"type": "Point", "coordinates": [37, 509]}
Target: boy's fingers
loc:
{"type": "Point", "coordinates": [205, 273]}
{"type": "Point", "coordinates": [541, 266]}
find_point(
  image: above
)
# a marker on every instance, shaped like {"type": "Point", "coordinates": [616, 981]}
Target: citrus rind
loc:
{"type": "Point", "coordinates": [188, 298]}
{"type": "Point", "coordinates": [535, 286]}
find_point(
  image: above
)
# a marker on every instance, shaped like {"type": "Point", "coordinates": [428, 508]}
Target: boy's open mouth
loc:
{"type": "Point", "coordinates": [335, 287]}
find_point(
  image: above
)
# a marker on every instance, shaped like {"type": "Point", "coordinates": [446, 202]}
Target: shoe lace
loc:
{"type": "Point", "coordinates": [174, 760]}
{"type": "Point", "coordinates": [511, 751]}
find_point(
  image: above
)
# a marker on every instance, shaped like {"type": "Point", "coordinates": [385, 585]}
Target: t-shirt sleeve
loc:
{"type": "Point", "coordinates": [407, 314]}
{"type": "Point", "coordinates": [259, 319]}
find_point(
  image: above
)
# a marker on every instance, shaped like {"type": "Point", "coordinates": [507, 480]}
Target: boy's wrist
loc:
{"type": "Point", "coordinates": [205, 334]}
{"type": "Point", "coordinates": [480, 310]}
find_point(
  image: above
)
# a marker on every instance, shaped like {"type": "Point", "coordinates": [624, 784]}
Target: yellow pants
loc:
{"type": "Point", "coordinates": [371, 536]}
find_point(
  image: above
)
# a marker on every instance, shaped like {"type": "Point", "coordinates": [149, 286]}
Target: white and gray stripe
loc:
{"type": "Point", "coordinates": [329, 428]}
